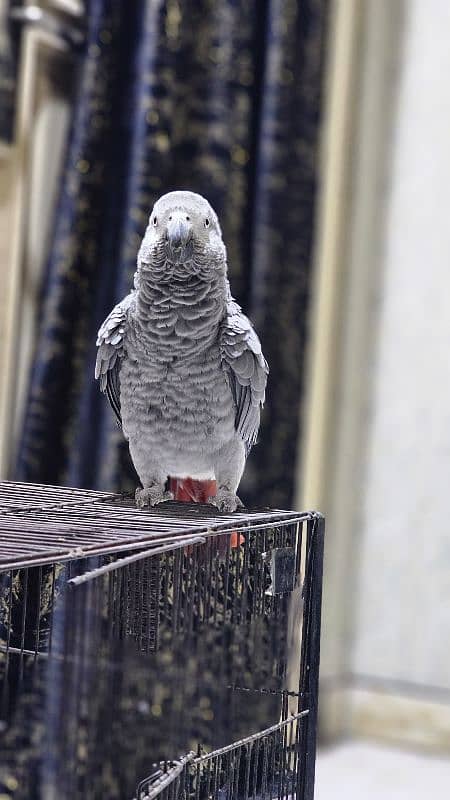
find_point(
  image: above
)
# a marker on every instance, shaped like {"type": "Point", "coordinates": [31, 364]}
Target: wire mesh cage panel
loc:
{"type": "Point", "coordinates": [129, 638]}
{"type": "Point", "coordinates": [262, 765]}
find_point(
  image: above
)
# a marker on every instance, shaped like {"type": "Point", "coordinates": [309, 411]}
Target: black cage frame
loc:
{"type": "Point", "coordinates": [84, 577]}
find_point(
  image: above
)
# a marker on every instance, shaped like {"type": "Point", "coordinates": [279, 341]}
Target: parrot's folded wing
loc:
{"type": "Point", "coordinates": [247, 371]}
{"type": "Point", "coordinates": [110, 341]}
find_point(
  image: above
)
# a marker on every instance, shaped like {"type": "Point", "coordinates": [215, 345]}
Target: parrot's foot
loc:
{"type": "Point", "coordinates": [152, 495]}
{"type": "Point", "coordinates": [225, 500]}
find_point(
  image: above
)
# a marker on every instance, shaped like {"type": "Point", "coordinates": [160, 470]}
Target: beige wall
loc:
{"type": "Point", "coordinates": [377, 456]}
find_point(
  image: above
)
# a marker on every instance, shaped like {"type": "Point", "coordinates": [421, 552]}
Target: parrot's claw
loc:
{"type": "Point", "coordinates": [152, 496]}
{"type": "Point", "coordinates": [225, 500]}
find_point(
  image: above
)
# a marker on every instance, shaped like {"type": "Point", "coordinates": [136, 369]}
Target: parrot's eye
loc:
{"type": "Point", "coordinates": [206, 222]}
{"type": "Point", "coordinates": [155, 222]}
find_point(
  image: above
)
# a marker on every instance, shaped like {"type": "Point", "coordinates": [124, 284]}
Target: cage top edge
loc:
{"type": "Point", "coordinates": [62, 524]}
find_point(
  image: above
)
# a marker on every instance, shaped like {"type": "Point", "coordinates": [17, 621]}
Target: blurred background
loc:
{"type": "Point", "coordinates": [319, 130]}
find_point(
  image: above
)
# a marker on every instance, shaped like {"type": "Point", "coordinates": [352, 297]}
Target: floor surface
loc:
{"type": "Point", "coordinates": [362, 771]}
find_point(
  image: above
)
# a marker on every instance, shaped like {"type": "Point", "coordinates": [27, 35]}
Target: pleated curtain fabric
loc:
{"type": "Point", "coordinates": [222, 97]}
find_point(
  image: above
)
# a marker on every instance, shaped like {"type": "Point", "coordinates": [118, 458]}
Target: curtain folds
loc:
{"type": "Point", "coordinates": [221, 97]}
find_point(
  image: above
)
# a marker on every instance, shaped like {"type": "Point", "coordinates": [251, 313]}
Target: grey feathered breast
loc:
{"type": "Point", "coordinates": [242, 360]}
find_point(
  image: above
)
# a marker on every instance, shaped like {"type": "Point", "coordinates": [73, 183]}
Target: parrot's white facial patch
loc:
{"type": "Point", "coordinates": [184, 225]}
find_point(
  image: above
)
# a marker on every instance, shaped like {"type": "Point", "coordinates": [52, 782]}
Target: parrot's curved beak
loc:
{"type": "Point", "coordinates": [179, 232]}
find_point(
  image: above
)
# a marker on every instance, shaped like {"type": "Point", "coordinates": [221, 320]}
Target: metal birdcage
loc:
{"type": "Point", "coordinates": [169, 652]}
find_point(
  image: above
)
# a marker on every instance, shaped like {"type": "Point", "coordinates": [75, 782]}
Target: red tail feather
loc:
{"type": "Point", "coordinates": [188, 490]}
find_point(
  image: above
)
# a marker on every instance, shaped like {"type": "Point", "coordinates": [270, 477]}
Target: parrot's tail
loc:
{"type": "Point", "coordinates": [189, 490]}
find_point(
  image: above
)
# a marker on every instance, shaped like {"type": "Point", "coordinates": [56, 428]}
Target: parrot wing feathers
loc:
{"type": "Point", "coordinates": [110, 343]}
{"type": "Point", "coordinates": [247, 371]}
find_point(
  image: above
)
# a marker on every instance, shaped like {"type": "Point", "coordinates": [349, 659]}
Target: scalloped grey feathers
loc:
{"type": "Point", "coordinates": [110, 343]}
{"type": "Point", "coordinates": [247, 370]}
{"type": "Point", "coordinates": [242, 359]}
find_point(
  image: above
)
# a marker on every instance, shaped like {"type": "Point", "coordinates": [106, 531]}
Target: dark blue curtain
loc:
{"type": "Point", "coordinates": [219, 96]}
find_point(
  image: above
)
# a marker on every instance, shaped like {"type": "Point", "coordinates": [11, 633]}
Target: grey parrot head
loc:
{"type": "Point", "coordinates": [183, 232]}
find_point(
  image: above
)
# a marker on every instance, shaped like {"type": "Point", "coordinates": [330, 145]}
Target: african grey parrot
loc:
{"type": "Point", "coordinates": [180, 363]}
